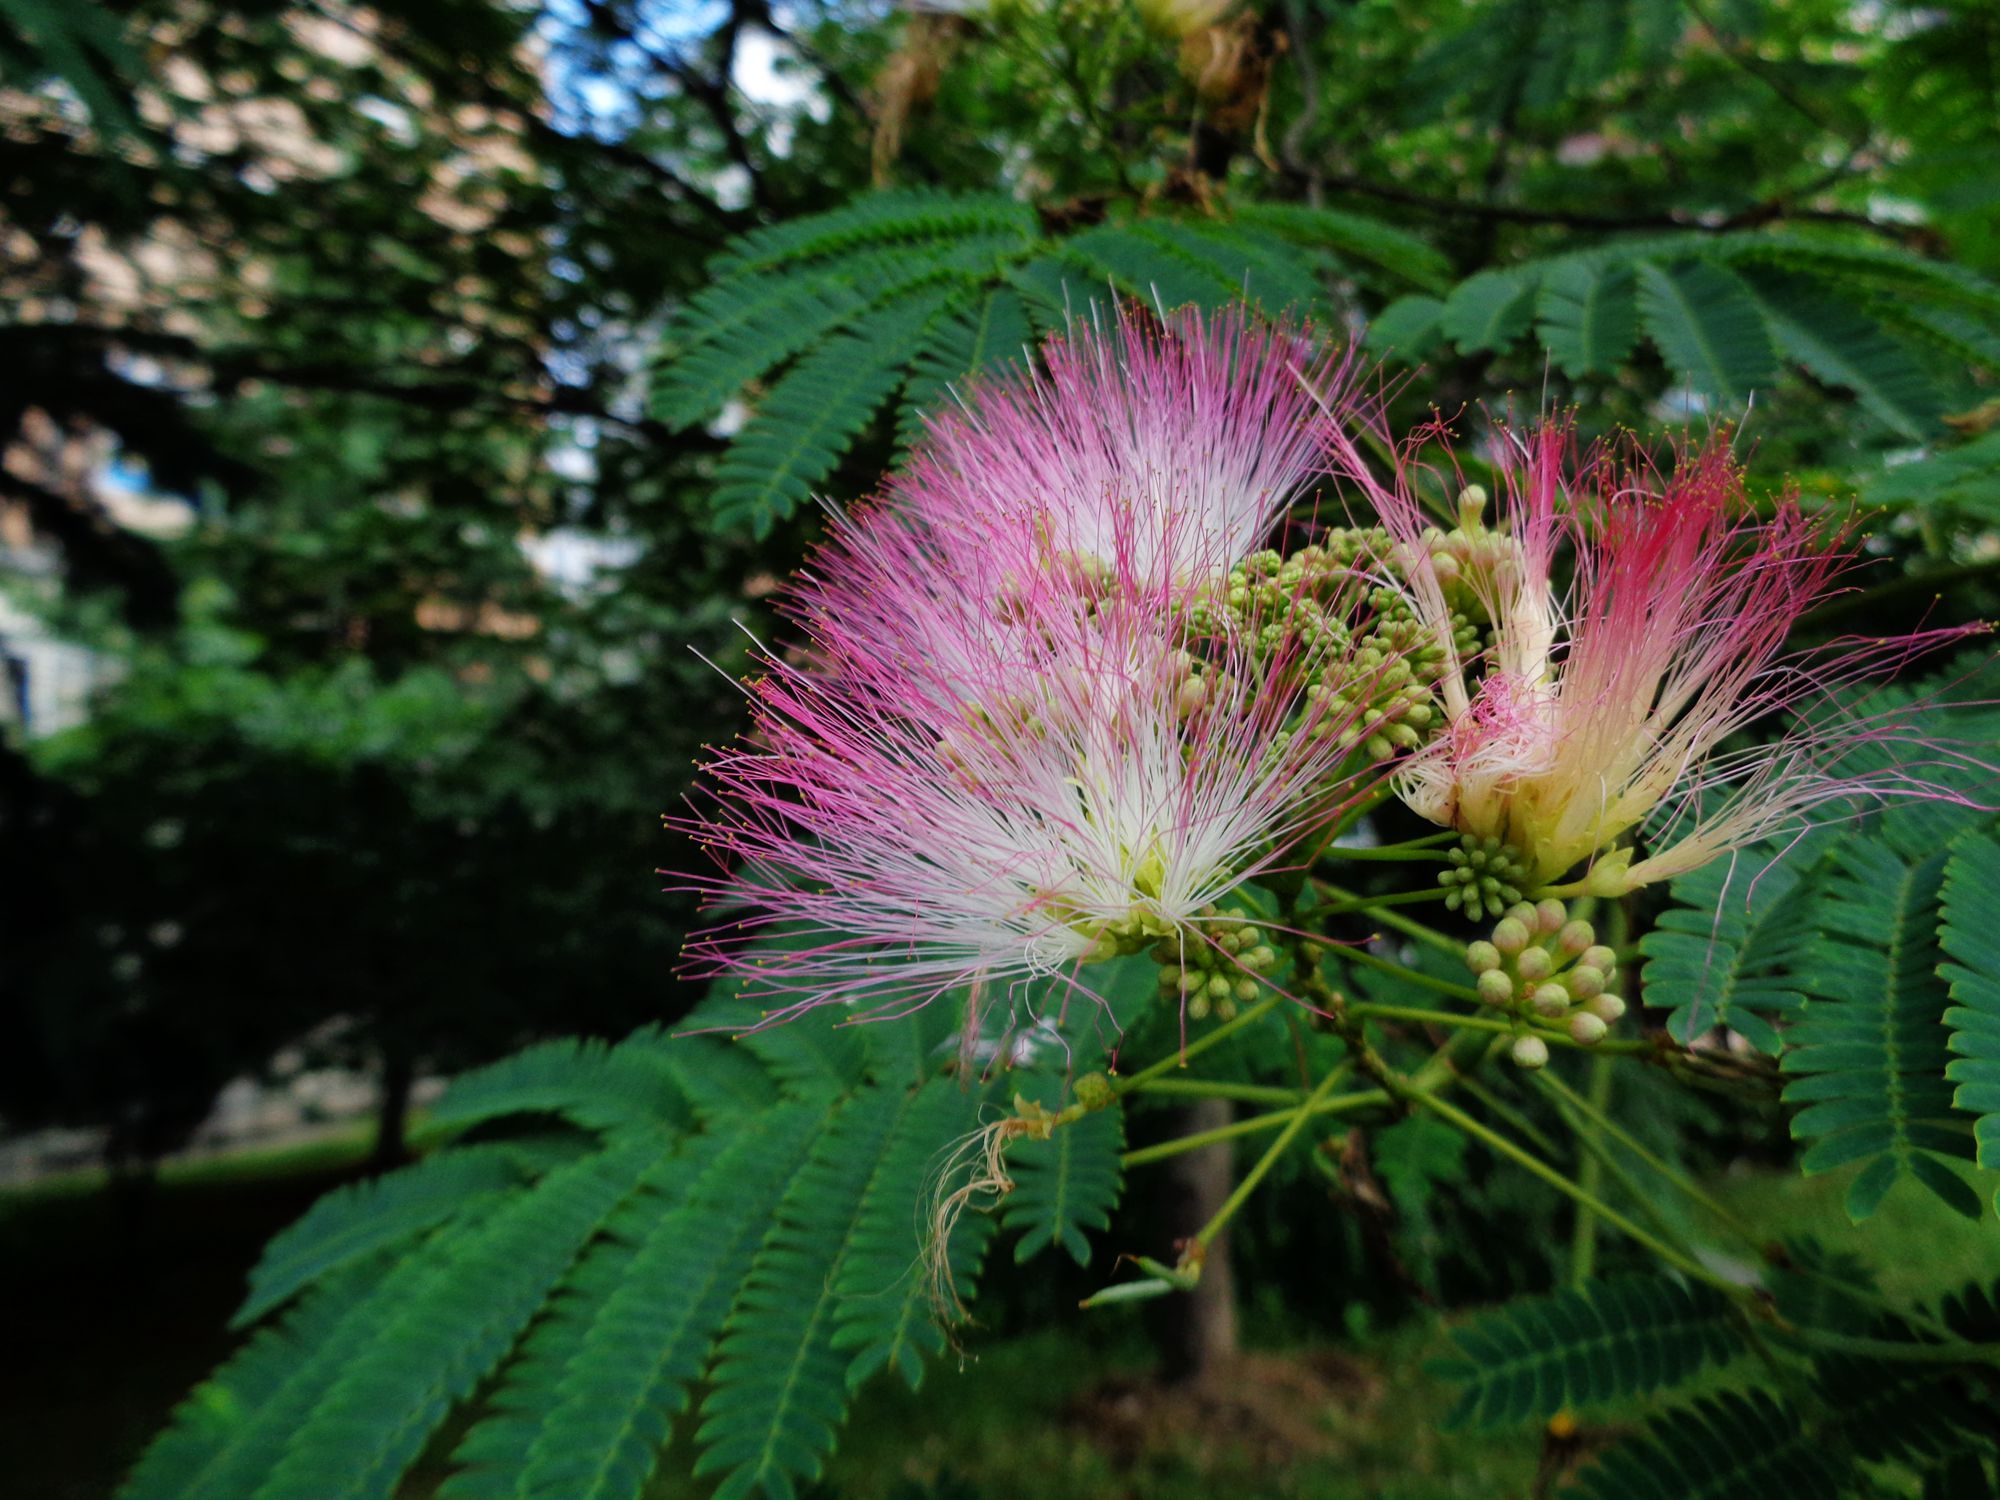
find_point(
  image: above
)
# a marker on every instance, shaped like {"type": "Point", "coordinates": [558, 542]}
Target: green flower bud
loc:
{"type": "Point", "coordinates": [1576, 936]}
{"type": "Point", "coordinates": [1530, 1052]}
{"type": "Point", "coordinates": [1551, 1001]}
{"type": "Point", "coordinates": [1219, 988]}
{"type": "Point", "coordinates": [1585, 982]}
{"type": "Point", "coordinates": [1587, 1029]}
{"type": "Point", "coordinates": [1246, 990]}
{"type": "Point", "coordinates": [1534, 964]}
{"type": "Point", "coordinates": [1607, 1008]}
{"type": "Point", "coordinates": [1550, 915]}
{"type": "Point", "coordinates": [1511, 935]}
{"type": "Point", "coordinates": [1524, 913]}
{"type": "Point", "coordinates": [1093, 1091]}
{"type": "Point", "coordinates": [1601, 959]}
{"type": "Point", "coordinates": [1481, 957]}
{"type": "Point", "coordinates": [1495, 988]}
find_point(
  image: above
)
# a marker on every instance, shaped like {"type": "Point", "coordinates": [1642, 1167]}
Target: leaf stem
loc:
{"type": "Point", "coordinates": [1269, 1159]}
{"type": "Point", "coordinates": [1492, 1139]}
{"type": "Point", "coordinates": [1204, 1088]}
{"type": "Point", "coordinates": [1196, 1047]}
{"type": "Point", "coordinates": [1338, 1104]}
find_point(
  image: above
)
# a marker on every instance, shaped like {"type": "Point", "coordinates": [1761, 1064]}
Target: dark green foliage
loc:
{"type": "Point", "coordinates": [913, 291]}
{"type": "Point", "coordinates": [1540, 1355]}
{"type": "Point", "coordinates": [750, 1215]}
{"type": "Point", "coordinates": [1726, 952]}
{"type": "Point", "coordinates": [1971, 943]}
{"type": "Point", "coordinates": [1724, 311]}
{"type": "Point", "coordinates": [1066, 1186]}
{"type": "Point", "coordinates": [1724, 1448]}
{"type": "Point", "coordinates": [1866, 1061]}
{"type": "Point", "coordinates": [355, 1222]}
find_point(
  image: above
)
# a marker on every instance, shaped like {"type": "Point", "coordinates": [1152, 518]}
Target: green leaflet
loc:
{"type": "Point", "coordinates": [1489, 312]}
{"type": "Point", "coordinates": [1865, 1065]}
{"type": "Point", "coordinates": [1724, 1448]}
{"type": "Point", "coordinates": [1970, 938]}
{"type": "Point", "coordinates": [1065, 1186]}
{"type": "Point", "coordinates": [1708, 326]}
{"type": "Point", "coordinates": [1727, 952]}
{"type": "Point", "coordinates": [813, 415]}
{"type": "Point", "coordinates": [1587, 316]}
{"type": "Point", "coordinates": [356, 1221]}
{"type": "Point", "coordinates": [778, 1389]}
{"type": "Point", "coordinates": [1539, 1355]}
{"type": "Point", "coordinates": [611, 1404]}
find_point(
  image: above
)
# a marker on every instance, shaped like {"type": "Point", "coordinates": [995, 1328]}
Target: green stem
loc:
{"type": "Point", "coordinates": [1956, 1352]}
{"type": "Point", "coordinates": [1375, 903]}
{"type": "Point", "coordinates": [1408, 926]}
{"type": "Point", "coordinates": [1454, 1116]}
{"type": "Point", "coordinates": [1196, 1047]}
{"type": "Point", "coordinates": [1590, 1178]}
{"type": "Point", "coordinates": [1412, 976]}
{"type": "Point", "coordinates": [1255, 1125]}
{"type": "Point", "coordinates": [1624, 1137]}
{"type": "Point", "coordinates": [1424, 1017]}
{"type": "Point", "coordinates": [1268, 1160]}
{"type": "Point", "coordinates": [1414, 849]}
{"type": "Point", "coordinates": [1203, 1088]}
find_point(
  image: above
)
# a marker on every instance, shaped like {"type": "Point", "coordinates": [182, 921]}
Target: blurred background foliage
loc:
{"type": "Point", "coordinates": [399, 435]}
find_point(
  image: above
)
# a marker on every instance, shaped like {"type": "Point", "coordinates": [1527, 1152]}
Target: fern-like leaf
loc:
{"type": "Point", "coordinates": [1970, 938]}
{"type": "Point", "coordinates": [735, 331]}
{"type": "Point", "coordinates": [1836, 341]}
{"type": "Point", "coordinates": [984, 336]}
{"type": "Point", "coordinates": [1490, 311]}
{"type": "Point", "coordinates": [447, 1335]}
{"type": "Point", "coordinates": [1866, 1062]}
{"type": "Point", "coordinates": [1721, 1449]}
{"type": "Point", "coordinates": [813, 415]}
{"type": "Point", "coordinates": [778, 1390]}
{"type": "Point", "coordinates": [1141, 265]}
{"type": "Point", "coordinates": [1356, 239]}
{"type": "Point", "coordinates": [1538, 1355]}
{"type": "Point", "coordinates": [1727, 952]}
{"type": "Point", "coordinates": [613, 1401]}
{"type": "Point", "coordinates": [1066, 1186]}
{"type": "Point", "coordinates": [1587, 316]}
{"type": "Point", "coordinates": [364, 1218]}
{"type": "Point", "coordinates": [877, 219]}
{"type": "Point", "coordinates": [589, 1083]}
{"type": "Point", "coordinates": [885, 1314]}
{"type": "Point", "coordinates": [1709, 326]}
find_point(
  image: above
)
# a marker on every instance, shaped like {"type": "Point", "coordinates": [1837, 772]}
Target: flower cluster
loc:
{"type": "Point", "coordinates": [1055, 705]}
{"type": "Point", "coordinates": [1546, 968]}
{"type": "Point", "coordinates": [1600, 706]}
{"type": "Point", "coordinates": [1090, 664]}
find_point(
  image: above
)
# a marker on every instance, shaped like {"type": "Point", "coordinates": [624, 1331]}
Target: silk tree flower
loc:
{"type": "Point", "coordinates": [1605, 703]}
{"type": "Point", "coordinates": [984, 818]}
{"type": "Point", "coordinates": [1162, 448]}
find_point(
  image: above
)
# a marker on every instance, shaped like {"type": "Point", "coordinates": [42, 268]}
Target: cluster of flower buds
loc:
{"type": "Point", "coordinates": [1216, 975]}
{"type": "Point", "coordinates": [1369, 662]}
{"type": "Point", "coordinates": [1550, 971]}
{"type": "Point", "coordinates": [1484, 877]}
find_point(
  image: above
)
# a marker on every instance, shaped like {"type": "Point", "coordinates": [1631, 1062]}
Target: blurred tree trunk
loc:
{"type": "Point", "coordinates": [1196, 1333]}
{"type": "Point", "coordinates": [392, 1115]}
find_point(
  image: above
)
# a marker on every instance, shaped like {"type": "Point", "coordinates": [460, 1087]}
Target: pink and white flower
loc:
{"type": "Point", "coordinates": [1611, 696]}
{"type": "Point", "coordinates": [1004, 753]}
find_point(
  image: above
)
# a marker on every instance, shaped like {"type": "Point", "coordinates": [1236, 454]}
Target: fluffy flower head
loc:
{"type": "Point", "coordinates": [1602, 700]}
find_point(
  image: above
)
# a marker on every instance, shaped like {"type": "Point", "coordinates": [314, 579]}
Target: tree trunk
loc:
{"type": "Point", "coordinates": [1196, 1332]}
{"type": "Point", "coordinates": [392, 1115]}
